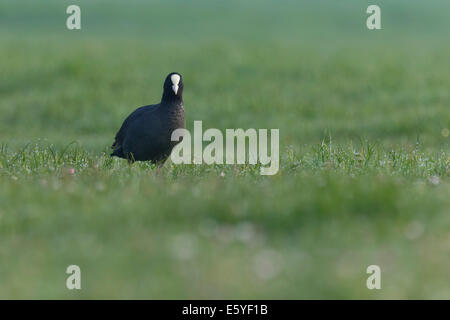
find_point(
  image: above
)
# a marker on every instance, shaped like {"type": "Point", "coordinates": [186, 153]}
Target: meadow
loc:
{"type": "Point", "coordinates": [364, 142]}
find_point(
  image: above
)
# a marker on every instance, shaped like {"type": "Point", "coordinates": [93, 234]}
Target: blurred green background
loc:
{"type": "Point", "coordinates": [364, 138]}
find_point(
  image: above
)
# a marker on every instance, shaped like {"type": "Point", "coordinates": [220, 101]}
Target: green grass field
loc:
{"type": "Point", "coordinates": [364, 123]}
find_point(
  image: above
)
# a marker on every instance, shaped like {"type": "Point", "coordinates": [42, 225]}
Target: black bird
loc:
{"type": "Point", "coordinates": [145, 134]}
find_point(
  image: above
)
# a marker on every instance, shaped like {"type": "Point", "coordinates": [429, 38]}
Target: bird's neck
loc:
{"type": "Point", "coordinates": [171, 99]}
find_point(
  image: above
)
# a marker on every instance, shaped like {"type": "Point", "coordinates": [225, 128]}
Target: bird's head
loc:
{"type": "Point", "coordinates": [173, 86]}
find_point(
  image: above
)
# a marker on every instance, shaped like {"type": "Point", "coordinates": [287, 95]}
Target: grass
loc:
{"type": "Point", "coordinates": [364, 175]}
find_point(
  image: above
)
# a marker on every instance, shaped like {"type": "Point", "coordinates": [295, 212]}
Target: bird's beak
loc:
{"type": "Point", "coordinates": [175, 88]}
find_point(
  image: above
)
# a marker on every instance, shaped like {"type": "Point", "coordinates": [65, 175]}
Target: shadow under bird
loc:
{"type": "Point", "coordinates": [146, 133]}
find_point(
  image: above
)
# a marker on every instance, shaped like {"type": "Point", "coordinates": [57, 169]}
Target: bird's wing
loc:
{"type": "Point", "coordinates": [120, 135]}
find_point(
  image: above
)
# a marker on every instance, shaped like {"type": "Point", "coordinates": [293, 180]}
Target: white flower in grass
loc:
{"type": "Point", "coordinates": [266, 264]}
{"type": "Point", "coordinates": [434, 180]}
{"type": "Point", "coordinates": [183, 247]}
{"type": "Point", "coordinates": [245, 232]}
{"type": "Point", "coordinates": [445, 132]}
{"type": "Point", "coordinates": [414, 230]}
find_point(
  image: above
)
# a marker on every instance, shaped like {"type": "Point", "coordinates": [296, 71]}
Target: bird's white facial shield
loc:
{"type": "Point", "coordinates": [175, 78]}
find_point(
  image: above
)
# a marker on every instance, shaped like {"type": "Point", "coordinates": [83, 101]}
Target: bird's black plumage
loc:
{"type": "Point", "coordinates": [145, 134]}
